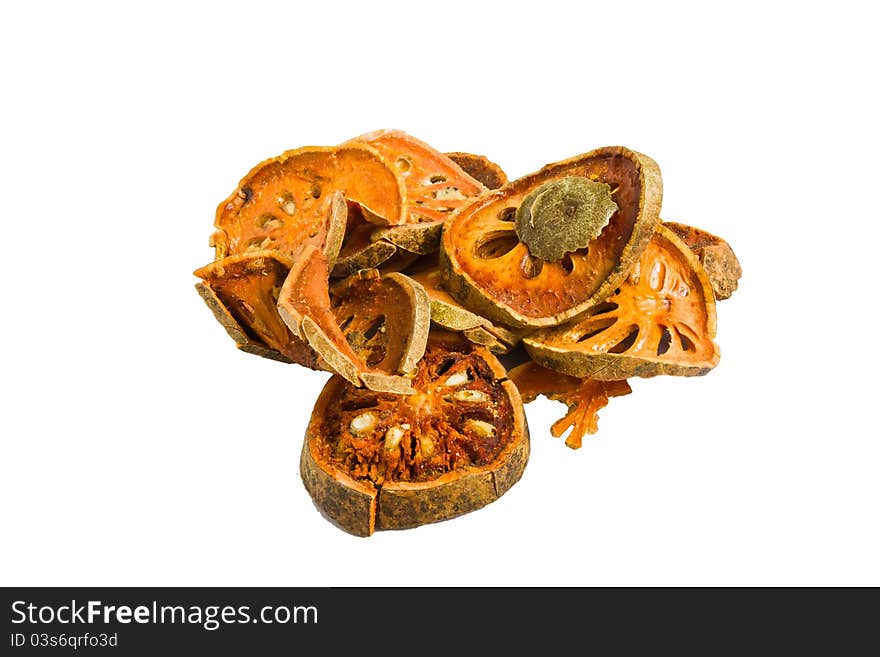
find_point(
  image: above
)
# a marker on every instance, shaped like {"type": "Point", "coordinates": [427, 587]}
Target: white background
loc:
{"type": "Point", "coordinates": [141, 448]}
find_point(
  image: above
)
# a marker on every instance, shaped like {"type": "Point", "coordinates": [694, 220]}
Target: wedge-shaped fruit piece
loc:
{"type": "Point", "coordinates": [371, 329]}
{"type": "Point", "coordinates": [376, 461]}
{"type": "Point", "coordinates": [490, 271]}
{"type": "Point", "coordinates": [448, 314]}
{"type": "Point", "coordinates": [661, 320]}
{"type": "Point", "coordinates": [283, 203]}
{"type": "Point", "coordinates": [242, 292]}
{"type": "Point", "coordinates": [435, 187]}
{"type": "Point", "coordinates": [718, 259]}
{"type": "Point", "coordinates": [584, 398]}
{"type": "Point", "coordinates": [480, 168]}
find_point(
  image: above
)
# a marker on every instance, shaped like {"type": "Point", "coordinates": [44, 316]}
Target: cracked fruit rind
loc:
{"type": "Point", "coordinates": [718, 259]}
{"type": "Point", "coordinates": [374, 461]}
{"type": "Point", "coordinates": [488, 269]}
{"type": "Point", "coordinates": [435, 187]}
{"type": "Point", "coordinates": [283, 202]}
{"type": "Point", "coordinates": [242, 292]}
{"type": "Point", "coordinates": [584, 398]}
{"type": "Point", "coordinates": [661, 320]}
{"type": "Point", "coordinates": [480, 168]}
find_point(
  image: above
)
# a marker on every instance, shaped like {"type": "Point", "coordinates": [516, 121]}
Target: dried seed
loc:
{"type": "Point", "coordinates": [287, 204]}
{"type": "Point", "coordinates": [481, 428]}
{"type": "Point", "coordinates": [450, 194]}
{"type": "Point", "coordinates": [457, 379]}
{"type": "Point", "coordinates": [394, 435]}
{"type": "Point", "coordinates": [426, 445]}
{"type": "Point", "coordinates": [363, 423]}
{"type": "Point", "coordinates": [471, 396]}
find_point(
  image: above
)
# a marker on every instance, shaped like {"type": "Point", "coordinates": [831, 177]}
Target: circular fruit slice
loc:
{"type": "Point", "coordinates": [284, 202]}
{"type": "Point", "coordinates": [661, 320]}
{"type": "Point", "coordinates": [375, 461]}
{"type": "Point", "coordinates": [490, 271]}
{"type": "Point", "coordinates": [718, 259]}
{"type": "Point", "coordinates": [435, 187]}
{"type": "Point", "coordinates": [481, 168]}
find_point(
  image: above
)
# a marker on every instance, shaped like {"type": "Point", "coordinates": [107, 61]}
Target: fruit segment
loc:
{"type": "Point", "coordinates": [661, 320]}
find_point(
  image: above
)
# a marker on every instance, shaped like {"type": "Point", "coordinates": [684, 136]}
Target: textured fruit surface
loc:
{"type": "Point", "coordinates": [480, 168]}
{"type": "Point", "coordinates": [284, 203]}
{"type": "Point", "coordinates": [661, 320]}
{"type": "Point", "coordinates": [490, 271]}
{"type": "Point", "coordinates": [242, 291]}
{"type": "Point", "coordinates": [369, 329]}
{"type": "Point", "coordinates": [379, 461]}
{"type": "Point", "coordinates": [718, 259]}
{"type": "Point", "coordinates": [584, 397]}
{"type": "Point", "coordinates": [435, 187]}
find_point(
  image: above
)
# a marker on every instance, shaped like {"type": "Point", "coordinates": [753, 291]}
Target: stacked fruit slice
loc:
{"type": "Point", "coordinates": [442, 297]}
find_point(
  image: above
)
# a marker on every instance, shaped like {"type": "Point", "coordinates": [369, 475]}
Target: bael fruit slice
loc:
{"type": "Point", "coordinates": [435, 187]}
{"type": "Point", "coordinates": [584, 398]}
{"type": "Point", "coordinates": [374, 461]}
{"type": "Point", "coordinates": [242, 292]}
{"type": "Point", "coordinates": [490, 271]}
{"type": "Point", "coordinates": [480, 168]}
{"type": "Point", "coordinates": [718, 259]}
{"type": "Point", "coordinates": [661, 320]}
{"type": "Point", "coordinates": [371, 329]}
{"type": "Point", "coordinates": [282, 204]}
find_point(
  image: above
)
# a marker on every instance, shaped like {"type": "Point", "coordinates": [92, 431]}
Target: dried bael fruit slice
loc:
{"type": "Point", "coordinates": [435, 187]}
{"type": "Point", "coordinates": [242, 291]}
{"type": "Point", "coordinates": [661, 320]}
{"type": "Point", "coordinates": [718, 259]}
{"type": "Point", "coordinates": [480, 168]}
{"type": "Point", "coordinates": [283, 203]}
{"type": "Point", "coordinates": [375, 461]}
{"type": "Point", "coordinates": [447, 313]}
{"type": "Point", "coordinates": [491, 271]}
{"type": "Point", "coordinates": [371, 329]}
{"type": "Point", "coordinates": [584, 398]}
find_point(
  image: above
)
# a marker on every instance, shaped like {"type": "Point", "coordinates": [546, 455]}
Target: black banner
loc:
{"type": "Point", "coordinates": [268, 621]}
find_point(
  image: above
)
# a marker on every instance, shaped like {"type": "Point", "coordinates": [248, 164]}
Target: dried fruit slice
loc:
{"type": "Point", "coordinates": [447, 313]}
{"type": "Point", "coordinates": [283, 203]}
{"type": "Point", "coordinates": [374, 461]}
{"type": "Point", "coordinates": [481, 168]}
{"type": "Point", "coordinates": [370, 328]}
{"type": "Point", "coordinates": [584, 398]}
{"type": "Point", "coordinates": [490, 271]}
{"type": "Point", "coordinates": [435, 187]}
{"type": "Point", "coordinates": [661, 320]}
{"type": "Point", "coordinates": [242, 292]}
{"type": "Point", "coordinates": [718, 259]}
